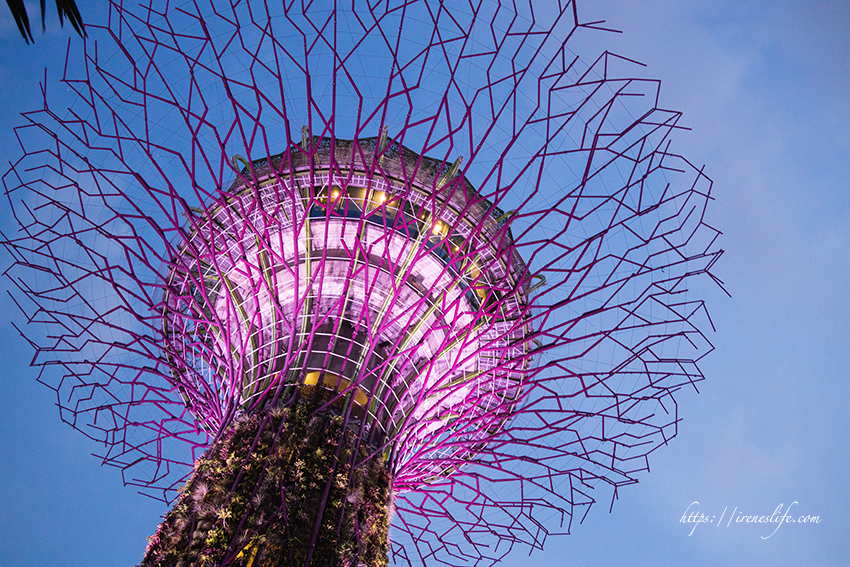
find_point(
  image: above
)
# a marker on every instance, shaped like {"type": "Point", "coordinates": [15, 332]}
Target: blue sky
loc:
{"type": "Point", "coordinates": [763, 85]}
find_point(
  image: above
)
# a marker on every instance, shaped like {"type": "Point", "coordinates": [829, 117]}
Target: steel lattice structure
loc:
{"type": "Point", "coordinates": [432, 226]}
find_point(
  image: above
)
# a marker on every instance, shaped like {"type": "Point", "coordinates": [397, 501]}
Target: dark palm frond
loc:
{"type": "Point", "coordinates": [19, 11]}
{"type": "Point", "coordinates": [65, 8]}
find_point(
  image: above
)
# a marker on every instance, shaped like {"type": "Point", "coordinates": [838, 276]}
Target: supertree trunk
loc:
{"type": "Point", "coordinates": [280, 487]}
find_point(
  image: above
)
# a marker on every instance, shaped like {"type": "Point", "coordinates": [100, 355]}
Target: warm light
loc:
{"type": "Point", "coordinates": [333, 382]}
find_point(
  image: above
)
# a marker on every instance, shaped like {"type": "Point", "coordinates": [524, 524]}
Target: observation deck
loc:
{"type": "Point", "coordinates": [364, 274]}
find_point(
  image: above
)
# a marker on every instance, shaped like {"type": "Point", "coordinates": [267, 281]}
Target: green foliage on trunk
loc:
{"type": "Point", "coordinates": [261, 492]}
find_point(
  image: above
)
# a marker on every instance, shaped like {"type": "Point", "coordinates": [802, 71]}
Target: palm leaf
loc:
{"type": "Point", "coordinates": [65, 8]}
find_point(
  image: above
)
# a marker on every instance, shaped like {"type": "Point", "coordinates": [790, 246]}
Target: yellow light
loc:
{"type": "Point", "coordinates": [335, 193]}
{"type": "Point", "coordinates": [333, 382]}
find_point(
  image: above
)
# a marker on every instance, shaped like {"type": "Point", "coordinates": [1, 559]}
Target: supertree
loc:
{"type": "Point", "coordinates": [310, 271]}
